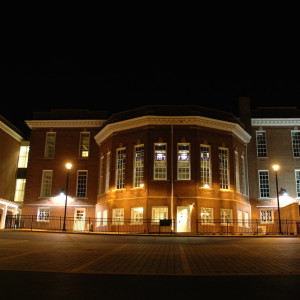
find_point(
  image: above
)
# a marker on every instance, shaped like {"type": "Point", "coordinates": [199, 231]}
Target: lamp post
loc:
{"type": "Point", "coordinates": [276, 168]}
{"type": "Point", "coordinates": [68, 167]}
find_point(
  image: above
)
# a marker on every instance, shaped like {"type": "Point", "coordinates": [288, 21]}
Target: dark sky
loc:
{"type": "Point", "coordinates": [39, 82]}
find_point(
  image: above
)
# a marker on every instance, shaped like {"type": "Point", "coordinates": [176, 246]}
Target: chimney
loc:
{"type": "Point", "coordinates": [245, 112]}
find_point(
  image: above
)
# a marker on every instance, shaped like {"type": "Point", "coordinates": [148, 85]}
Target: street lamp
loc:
{"type": "Point", "coordinates": [276, 168]}
{"type": "Point", "coordinates": [68, 167]}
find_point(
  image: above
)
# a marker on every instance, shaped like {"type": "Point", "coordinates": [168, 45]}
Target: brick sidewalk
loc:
{"type": "Point", "coordinates": [61, 252]}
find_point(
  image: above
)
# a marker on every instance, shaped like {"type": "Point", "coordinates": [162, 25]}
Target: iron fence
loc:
{"type": "Point", "coordinates": [149, 226]}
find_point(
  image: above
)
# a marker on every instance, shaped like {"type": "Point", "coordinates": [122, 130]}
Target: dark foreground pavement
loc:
{"type": "Point", "coordinates": [44, 285]}
{"type": "Point", "coordinates": [42, 266]}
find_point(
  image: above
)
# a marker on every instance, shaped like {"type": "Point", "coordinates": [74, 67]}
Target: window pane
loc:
{"type": "Point", "coordinates": [160, 161]}
{"type": "Point", "coordinates": [50, 145]}
{"type": "Point", "coordinates": [81, 184]}
{"type": "Point", "coordinates": [183, 162]}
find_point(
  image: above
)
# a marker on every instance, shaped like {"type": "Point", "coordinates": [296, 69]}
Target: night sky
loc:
{"type": "Point", "coordinates": [32, 83]}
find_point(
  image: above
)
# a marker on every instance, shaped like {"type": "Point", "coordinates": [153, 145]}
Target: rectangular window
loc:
{"type": "Point", "coordinates": [84, 144]}
{"type": "Point", "coordinates": [207, 215]}
{"type": "Point", "coordinates": [101, 176]}
{"type": "Point", "coordinates": [240, 218]}
{"type": "Point", "coordinates": [224, 168]}
{"type": "Point", "coordinates": [205, 166]}
{"type": "Point", "coordinates": [297, 178]}
{"type": "Point", "coordinates": [266, 216]}
{"type": "Point", "coordinates": [138, 168]}
{"type": "Point", "coordinates": [43, 214]}
{"type": "Point", "coordinates": [137, 215]}
{"type": "Point", "coordinates": [246, 219]}
{"type": "Point", "coordinates": [261, 145]}
{"type": "Point", "coordinates": [244, 181]}
{"type": "Point", "coordinates": [50, 145]}
{"type": "Point", "coordinates": [237, 172]}
{"type": "Point", "coordinates": [20, 190]}
{"type": "Point", "coordinates": [183, 162]}
{"type": "Point", "coordinates": [107, 176]}
{"type": "Point", "coordinates": [81, 184]}
{"type": "Point", "coordinates": [160, 161]}
{"type": "Point", "coordinates": [23, 157]}
{"type": "Point", "coordinates": [46, 183]}
{"type": "Point", "coordinates": [159, 213]}
{"type": "Point", "coordinates": [296, 142]}
{"type": "Point", "coordinates": [226, 216]}
{"type": "Point", "coordinates": [99, 218]}
{"type": "Point", "coordinates": [120, 168]}
{"type": "Point", "coordinates": [105, 217]}
{"type": "Point", "coordinates": [118, 216]}
{"type": "Point", "coordinates": [264, 185]}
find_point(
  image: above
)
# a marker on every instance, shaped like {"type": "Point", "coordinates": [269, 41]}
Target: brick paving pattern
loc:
{"type": "Point", "coordinates": [73, 253]}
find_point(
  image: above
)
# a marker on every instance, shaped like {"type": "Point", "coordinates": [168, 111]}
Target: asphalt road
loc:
{"type": "Point", "coordinates": [38, 265]}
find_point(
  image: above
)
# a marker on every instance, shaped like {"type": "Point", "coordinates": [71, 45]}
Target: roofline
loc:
{"type": "Point", "coordinates": [109, 129]}
{"type": "Point", "coordinates": [63, 123]}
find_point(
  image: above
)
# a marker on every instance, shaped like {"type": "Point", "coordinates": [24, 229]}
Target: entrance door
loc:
{"type": "Point", "coordinates": [79, 219]}
{"type": "Point", "coordinates": [183, 219]}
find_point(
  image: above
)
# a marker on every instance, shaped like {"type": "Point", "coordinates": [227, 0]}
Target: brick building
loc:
{"type": "Point", "coordinates": [205, 170]}
{"type": "Point", "coordinates": [11, 140]}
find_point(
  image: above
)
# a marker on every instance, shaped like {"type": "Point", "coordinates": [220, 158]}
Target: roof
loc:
{"type": "Point", "coordinates": [173, 110]}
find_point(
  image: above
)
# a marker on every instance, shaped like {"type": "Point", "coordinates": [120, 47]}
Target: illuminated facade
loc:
{"type": "Point", "coordinates": [205, 170]}
{"type": "Point", "coordinates": [11, 141]}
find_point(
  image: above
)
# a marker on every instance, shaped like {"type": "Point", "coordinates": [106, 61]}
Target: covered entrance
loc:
{"type": "Point", "coordinates": [183, 221]}
{"type": "Point", "coordinates": [5, 208]}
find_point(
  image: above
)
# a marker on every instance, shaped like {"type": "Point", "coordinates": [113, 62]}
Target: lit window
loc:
{"type": "Point", "coordinates": [137, 215]}
{"type": "Point", "coordinates": [296, 142]}
{"type": "Point", "coordinates": [120, 168]}
{"type": "Point", "coordinates": [266, 216]}
{"type": "Point", "coordinates": [160, 161]}
{"type": "Point", "coordinates": [246, 219]}
{"type": "Point", "coordinates": [50, 145]}
{"type": "Point", "coordinates": [118, 216]}
{"type": "Point", "coordinates": [237, 172]}
{"type": "Point", "coordinates": [84, 144]}
{"type": "Point", "coordinates": [43, 214]}
{"type": "Point", "coordinates": [264, 185]}
{"type": "Point", "coordinates": [207, 215]}
{"type": "Point", "coordinates": [240, 218]}
{"type": "Point", "coordinates": [205, 166]}
{"type": "Point", "coordinates": [81, 184]}
{"type": "Point", "coordinates": [23, 157]}
{"type": "Point", "coordinates": [138, 176]}
{"type": "Point", "coordinates": [183, 162]}
{"type": "Point", "coordinates": [46, 183]}
{"type": "Point", "coordinates": [243, 175]}
{"type": "Point", "coordinates": [101, 175]}
{"type": "Point", "coordinates": [20, 190]}
{"type": "Point", "coordinates": [261, 145]}
{"type": "Point", "coordinates": [226, 216]}
{"type": "Point", "coordinates": [105, 214]}
{"type": "Point", "coordinates": [159, 213]}
{"type": "Point", "coordinates": [224, 168]}
{"type": "Point", "coordinates": [107, 176]}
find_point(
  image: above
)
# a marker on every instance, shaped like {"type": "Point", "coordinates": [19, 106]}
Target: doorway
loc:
{"type": "Point", "coordinates": [183, 220]}
{"type": "Point", "coordinates": [79, 219]}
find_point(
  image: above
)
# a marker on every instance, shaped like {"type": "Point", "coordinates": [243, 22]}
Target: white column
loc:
{"type": "Point", "coordinates": [3, 217]}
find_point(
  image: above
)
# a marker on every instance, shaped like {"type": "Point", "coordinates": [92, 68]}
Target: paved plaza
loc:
{"type": "Point", "coordinates": [120, 257]}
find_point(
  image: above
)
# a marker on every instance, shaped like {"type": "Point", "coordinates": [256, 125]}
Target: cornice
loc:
{"type": "Point", "coordinates": [63, 123]}
{"type": "Point", "coordinates": [10, 132]}
{"type": "Point", "coordinates": [234, 128]}
{"type": "Point", "coordinates": [275, 122]}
